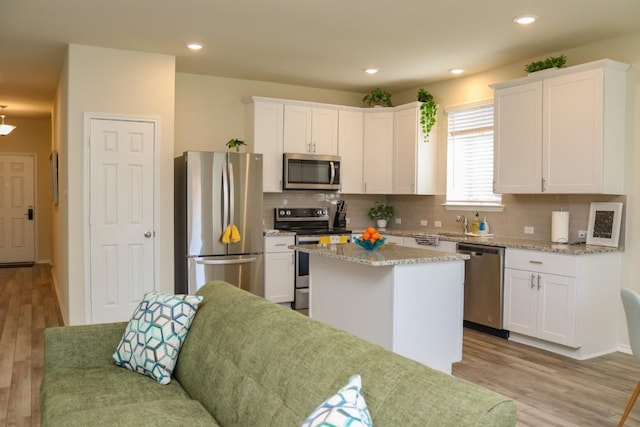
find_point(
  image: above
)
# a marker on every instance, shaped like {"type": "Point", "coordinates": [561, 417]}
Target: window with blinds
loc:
{"type": "Point", "coordinates": [470, 155]}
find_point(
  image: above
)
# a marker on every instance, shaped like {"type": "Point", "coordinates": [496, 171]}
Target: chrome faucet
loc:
{"type": "Point", "coordinates": [463, 220]}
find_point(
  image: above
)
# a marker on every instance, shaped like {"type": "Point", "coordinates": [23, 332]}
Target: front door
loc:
{"type": "Point", "coordinates": [121, 218]}
{"type": "Point", "coordinates": [17, 214]}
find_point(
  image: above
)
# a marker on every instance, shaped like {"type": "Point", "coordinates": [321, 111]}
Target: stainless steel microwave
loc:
{"type": "Point", "coordinates": [311, 172]}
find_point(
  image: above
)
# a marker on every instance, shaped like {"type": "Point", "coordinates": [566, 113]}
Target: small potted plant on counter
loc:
{"type": "Point", "coordinates": [381, 212]}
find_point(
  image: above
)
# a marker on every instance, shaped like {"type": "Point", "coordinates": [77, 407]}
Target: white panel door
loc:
{"type": "Point", "coordinates": [17, 231]}
{"type": "Point", "coordinates": [121, 216]}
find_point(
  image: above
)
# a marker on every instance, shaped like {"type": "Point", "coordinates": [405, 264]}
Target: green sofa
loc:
{"type": "Point", "coordinates": [248, 362]}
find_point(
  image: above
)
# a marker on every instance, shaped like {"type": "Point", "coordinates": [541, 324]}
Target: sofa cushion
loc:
{"type": "Point", "coordinates": [345, 408]}
{"type": "Point", "coordinates": [152, 340]}
{"type": "Point", "coordinates": [113, 396]}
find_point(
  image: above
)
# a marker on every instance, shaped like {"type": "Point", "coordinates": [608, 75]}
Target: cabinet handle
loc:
{"type": "Point", "coordinates": [534, 262]}
{"type": "Point", "coordinates": [539, 281]}
{"type": "Point", "coordinates": [532, 279]}
{"type": "Point", "coordinates": [280, 244]}
{"type": "Point", "coordinates": [544, 182]}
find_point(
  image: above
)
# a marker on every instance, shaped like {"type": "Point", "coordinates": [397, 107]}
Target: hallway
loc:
{"type": "Point", "coordinates": [27, 307]}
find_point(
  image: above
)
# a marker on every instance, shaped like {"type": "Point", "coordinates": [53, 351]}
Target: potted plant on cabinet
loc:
{"type": "Point", "coordinates": [550, 62]}
{"type": "Point", "coordinates": [428, 110]}
{"type": "Point", "coordinates": [381, 212]}
{"type": "Point", "coordinates": [378, 98]}
{"type": "Point", "coordinates": [235, 143]}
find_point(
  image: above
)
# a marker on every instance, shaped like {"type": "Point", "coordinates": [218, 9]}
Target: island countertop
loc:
{"type": "Point", "coordinates": [384, 255]}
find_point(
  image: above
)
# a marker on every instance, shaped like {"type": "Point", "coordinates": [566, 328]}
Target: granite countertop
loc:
{"type": "Point", "coordinates": [271, 233]}
{"type": "Point", "coordinates": [507, 242]}
{"type": "Point", "coordinates": [384, 255]}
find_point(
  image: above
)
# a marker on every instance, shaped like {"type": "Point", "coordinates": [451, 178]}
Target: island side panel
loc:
{"type": "Point", "coordinates": [353, 297]}
{"type": "Point", "coordinates": [428, 304]}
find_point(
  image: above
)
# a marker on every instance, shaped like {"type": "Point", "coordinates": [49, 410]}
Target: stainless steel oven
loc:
{"type": "Point", "coordinates": [311, 226]}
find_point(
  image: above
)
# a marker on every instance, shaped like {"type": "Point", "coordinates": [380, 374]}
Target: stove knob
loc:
{"type": "Point", "coordinates": [281, 213]}
{"type": "Point", "coordinates": [288, 213]}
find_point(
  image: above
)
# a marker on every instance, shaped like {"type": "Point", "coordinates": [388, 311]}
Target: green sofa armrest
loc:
{"type": "Point", "coordinates": [82, 346]}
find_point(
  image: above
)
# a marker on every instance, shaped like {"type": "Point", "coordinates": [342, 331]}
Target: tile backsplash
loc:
{"type": "Point", "coordinates": [531, 210]}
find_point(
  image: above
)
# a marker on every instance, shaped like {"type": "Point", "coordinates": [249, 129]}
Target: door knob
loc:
{"type": "Point", "coordinates": [147, 234]}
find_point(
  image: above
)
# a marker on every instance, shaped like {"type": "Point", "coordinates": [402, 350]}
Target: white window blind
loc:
{"type": "Point", "coordinates": [470, 155]}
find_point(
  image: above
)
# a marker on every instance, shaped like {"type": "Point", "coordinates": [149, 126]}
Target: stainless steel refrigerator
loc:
{"type": "Point", "coordinates": [215, 192]}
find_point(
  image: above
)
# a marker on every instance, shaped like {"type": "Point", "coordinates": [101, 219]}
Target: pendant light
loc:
{"type": "Point", "coordinates": [4, 129]}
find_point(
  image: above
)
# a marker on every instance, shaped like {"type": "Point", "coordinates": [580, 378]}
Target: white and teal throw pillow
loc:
{"type": "Point", "coordinates": [152, 340]}
{"type": "Point", "coordinates": [347, 408]}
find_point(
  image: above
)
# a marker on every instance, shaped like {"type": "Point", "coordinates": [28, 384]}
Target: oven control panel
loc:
{"type": "Point", "coordinates": [302, 214]}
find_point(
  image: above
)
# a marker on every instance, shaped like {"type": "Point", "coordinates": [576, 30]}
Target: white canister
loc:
{"type": "Point", "coordinates": [559, 227]}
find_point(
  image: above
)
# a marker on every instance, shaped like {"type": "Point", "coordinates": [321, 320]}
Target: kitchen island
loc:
{"type": "Point", "coordinates": [406, 300]}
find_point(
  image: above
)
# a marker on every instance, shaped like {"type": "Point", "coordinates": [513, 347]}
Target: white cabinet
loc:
{"type": "Point", "coordinates": [310, 129]}
{"type": "Point", "coordinates": [350, 150]}
{"type": "Point", "coordinates": [279, 269]}
{"type": "Point", "coordinates": [562, 131]}
{"type": "Point", "coordinates": [378, 150]}
{"type": "Point", "coordinates": [264, 133]}
{"type": "Point", "coordinates": [541, 305]}
{"type": "Point", "coordinates": [414, 159]}
{"type": "Point", "coordinates": [563, 303]}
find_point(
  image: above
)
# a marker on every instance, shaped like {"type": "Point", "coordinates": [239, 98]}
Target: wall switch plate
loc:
{"type": "Point", "coordinates": [398, 220]}
{"type": "Point", "coordinates": [423, 222]}
{"type": "Point", "coordinates": [582, 234]}
{"type": "Point", "coordinates": [437, 224]}
{"type": "Point", "coordinates": [528, 229]}
{"type": "Point", "coordinates": [347, 219]}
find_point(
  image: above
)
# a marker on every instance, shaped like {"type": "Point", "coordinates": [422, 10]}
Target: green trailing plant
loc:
{"type": "Point", "coordinates": [235, 143]}
{"type": "Point", "coordinates": [381, 211]}
{"type": "Point", "coordinates": [378, 97]}
{"type": "Point", "coordinates": [428, 110]}
{"type": "Point", "coordinates": [550, 62]}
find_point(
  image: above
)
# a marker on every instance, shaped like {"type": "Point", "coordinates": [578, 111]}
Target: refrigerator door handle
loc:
{"type": "Point", "coordinates": [225, 199]}
{"type": "Point", "coordinates": [231, 195]}
{"type": "Point", "coordinates": [225, 261]}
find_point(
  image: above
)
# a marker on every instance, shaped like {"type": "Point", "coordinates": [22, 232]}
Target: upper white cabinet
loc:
{"type": "Point", "coordinates": [264, 132]}
{"type": "Point", "coordinates": [562, 131]}
{"type": "Point", "coordinates": [350, 150]}
{"type": "Point", "coordinates": [378, 150]}
{"type": "Point", "coordinates": [310, 129]}
{"type": "Point", "coordinates": [414, 159]}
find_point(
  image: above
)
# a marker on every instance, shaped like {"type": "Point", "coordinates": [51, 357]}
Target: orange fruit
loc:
{"type": "Point", "coordinates": [366, 235]}
{"type": "Point", "coordinates": [376, 236]}
{"type": "Point", "coordinates": [371, 230]}
{"type": "Point", "coordinates": [372, 240]}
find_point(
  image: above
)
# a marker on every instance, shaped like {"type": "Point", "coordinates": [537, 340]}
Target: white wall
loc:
{"type": "Point", "coordinates": [116, 82]}
{"type": "Point", "coordinates": [210, 111]}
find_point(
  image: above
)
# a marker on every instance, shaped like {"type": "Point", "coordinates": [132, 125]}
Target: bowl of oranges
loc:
{"type": "Point", "coordinates": [370, 239]}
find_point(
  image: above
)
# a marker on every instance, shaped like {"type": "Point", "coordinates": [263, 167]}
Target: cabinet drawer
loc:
{"type": "Point", "coordinates": [278, 243]}
{"type": "Point", "coordinates": [541, 262]}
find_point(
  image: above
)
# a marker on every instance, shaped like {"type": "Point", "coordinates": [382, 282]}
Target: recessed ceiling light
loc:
{"type": "Point", "coordinates": [195, 46]}
{"type": "Point", "coordinates": [456, 71]}
{"type": "Point", "coordinates": [370, 70]}
{"type": "Point", "coordinates": [525, 19]}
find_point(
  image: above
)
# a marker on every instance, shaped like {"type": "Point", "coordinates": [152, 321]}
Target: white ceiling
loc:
{"type": "Point", "coordinates": [317, 43]}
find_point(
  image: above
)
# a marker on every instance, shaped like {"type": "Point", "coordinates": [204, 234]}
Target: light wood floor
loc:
{"type": "Point", "coordinates": [549, 390]}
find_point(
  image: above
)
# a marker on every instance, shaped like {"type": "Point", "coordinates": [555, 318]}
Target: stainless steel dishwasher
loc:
{"type": "Point", "coordinates": [483, 287]}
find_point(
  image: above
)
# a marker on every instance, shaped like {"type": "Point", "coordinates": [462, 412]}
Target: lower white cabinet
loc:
{"type": "Point", "coordinates": [541, 305]}
{"type": "Point", "coordinates": [279, 269]}
{"type": "Point", "coordinates": [563, 303]}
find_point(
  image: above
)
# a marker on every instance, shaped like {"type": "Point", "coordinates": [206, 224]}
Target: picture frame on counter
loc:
{"type": "Point", "coordinates": [604, 224]}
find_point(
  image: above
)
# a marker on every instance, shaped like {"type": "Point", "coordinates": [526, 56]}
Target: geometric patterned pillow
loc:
{"type": "Point", "coordinates": [345, 408]}
{"type": "Point", "coordinates": [151, 342]}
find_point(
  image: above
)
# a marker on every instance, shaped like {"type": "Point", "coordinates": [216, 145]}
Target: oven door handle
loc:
{"type": "Point", "coordinates": [307, 239]}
